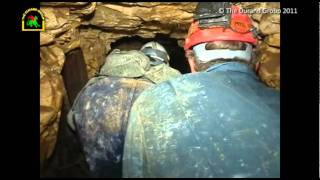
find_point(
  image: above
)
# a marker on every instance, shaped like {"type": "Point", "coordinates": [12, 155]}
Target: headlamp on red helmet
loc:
{"type": "Point", "coordinates": [239, 28]}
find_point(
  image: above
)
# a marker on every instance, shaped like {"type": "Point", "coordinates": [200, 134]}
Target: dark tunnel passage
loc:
{"type": "Point", "coordinates": [74, 73]}
{"type": "Point", "coordinates": [68, 159]}
{"type": "Point", "coordinates": [176, 53]}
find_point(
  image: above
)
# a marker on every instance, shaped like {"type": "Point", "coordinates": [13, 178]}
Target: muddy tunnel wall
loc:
{"type": "Point", "coordinates": [79, 35]}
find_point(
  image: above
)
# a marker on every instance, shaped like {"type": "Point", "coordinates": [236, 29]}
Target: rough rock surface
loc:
{"type": "Point", "coordinates": [268, 26]}
{"type": "Point", "coordinates": [51, 95]}
{"type": "Point", "coordinates": [269, 70]}
{"type": "Point", "coordinates": [94, 26]}
{"type": "Point", "coordinates": [69, 24]}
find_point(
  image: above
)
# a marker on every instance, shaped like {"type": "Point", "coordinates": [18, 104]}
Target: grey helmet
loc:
{"type": "Point", "coordinates": [156, 52]}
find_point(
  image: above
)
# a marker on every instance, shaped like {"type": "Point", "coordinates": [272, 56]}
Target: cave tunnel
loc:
{"type": "Point", "coordinates": [176, 53]}
{"type": "Point", "coordinates": [68, 159]}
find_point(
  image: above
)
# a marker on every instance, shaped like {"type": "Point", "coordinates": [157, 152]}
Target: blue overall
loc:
{"type": "Point", "coordinates": [222, 122]}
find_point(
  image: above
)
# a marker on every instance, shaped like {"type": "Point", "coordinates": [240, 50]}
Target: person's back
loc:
{"type": "Point", "coordinates": [208, 124]}
{"type": "Point", "coordinates": [100, 112]}
{"type": "Point", "coordinates": [101, 117]}
{"type": "Point", "coordinates": [219, 121]}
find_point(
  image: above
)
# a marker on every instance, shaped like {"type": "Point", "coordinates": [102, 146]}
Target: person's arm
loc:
{"type": "Point", "coordinates": [70, 116]}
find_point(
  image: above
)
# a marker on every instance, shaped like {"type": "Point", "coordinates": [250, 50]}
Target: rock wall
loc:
{"type": "Point", "coordinates": [51, 94]}
{"type": "Point", "coordinates": [94, 26]}
{"type": "Point", "coordinates": [268, 48]}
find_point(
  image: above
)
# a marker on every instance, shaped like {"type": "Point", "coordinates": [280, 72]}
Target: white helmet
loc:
{"type": "Point", "coordinates": [156, 52]}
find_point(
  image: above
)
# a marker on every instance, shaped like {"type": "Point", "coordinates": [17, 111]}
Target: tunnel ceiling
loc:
{"type": "Point", "coordinates": [94, 26]}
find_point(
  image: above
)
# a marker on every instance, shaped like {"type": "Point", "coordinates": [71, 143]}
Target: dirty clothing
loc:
{"type": "Point", "coordinates": [220, 123]}
{"type": "Point", "coordinates": [101, 115]}
{"type": "Point", "coordinates": [100, 112]}
{"type": "Point", "coordinates": [161, 72]}
{"type": "Point", "coordinates": [136, 64]}
{"type": "Point", "coordinates": [131, 64]}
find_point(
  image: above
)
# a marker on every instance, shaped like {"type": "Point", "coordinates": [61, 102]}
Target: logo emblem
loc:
{"type": "Point", "coordinates": [32, 20]}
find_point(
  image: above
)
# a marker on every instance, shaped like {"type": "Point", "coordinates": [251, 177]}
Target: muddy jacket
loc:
{"type": "Point", "coordinates": [161, 72]}
{"type": "Point", "coordinates": [138, 67]}
{"type": "Point", "coordinates": [101, 115]}
{"type": "Point", "coordinates": [220, 123]}
{"type": "Point", "coordinates": [100, 111]}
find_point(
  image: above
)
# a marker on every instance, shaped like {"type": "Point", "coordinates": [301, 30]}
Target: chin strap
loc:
{"type": "Point", "coordinates": [202, 55]}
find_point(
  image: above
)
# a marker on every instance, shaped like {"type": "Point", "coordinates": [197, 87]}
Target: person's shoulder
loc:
{"type": "Point", "coordinates": [107, 84]}
{"type": "Point", "coordinates": [170, 87]}
{"type": "Point", "coordinates": [173, 71]}
{"type": "Point", "coordinates": [155, 91]}
{"type": "Point", "coordinates": [134, 81]}
{"type": "Point", "coordinates": [168, 96]}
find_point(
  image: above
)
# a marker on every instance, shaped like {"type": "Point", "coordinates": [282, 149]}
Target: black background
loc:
{"type": "Point", "coordinates": [299, 93]}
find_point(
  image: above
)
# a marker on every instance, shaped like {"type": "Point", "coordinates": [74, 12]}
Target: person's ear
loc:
{"type": "Point", "coordinates": [190, 57]}
{"type": "Point", "coordinates": [192, 65]}
{"type": "Point", "coordinates": [257, 66]}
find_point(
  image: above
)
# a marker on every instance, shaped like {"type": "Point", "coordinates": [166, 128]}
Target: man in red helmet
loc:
{"type": "Point", "coordinates": [218, 122]}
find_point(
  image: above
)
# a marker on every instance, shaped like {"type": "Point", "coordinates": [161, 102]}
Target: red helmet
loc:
{"type": "Point", "coordinates": [238, 30]}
